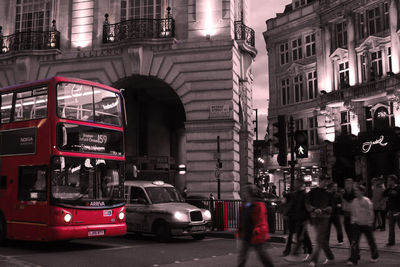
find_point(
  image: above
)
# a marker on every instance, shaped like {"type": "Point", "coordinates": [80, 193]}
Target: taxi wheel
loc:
{"type": "Point", "coordinates": [3, 230]}
{"type": "Point", "coordinates": [163, 232]}
{"type": "Point", "coordinates": [199, 237]}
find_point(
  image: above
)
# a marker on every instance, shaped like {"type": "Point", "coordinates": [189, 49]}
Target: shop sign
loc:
{"type": "Point", "coordinates": [366, 146]}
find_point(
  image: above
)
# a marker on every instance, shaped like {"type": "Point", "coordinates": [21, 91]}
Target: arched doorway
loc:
{"type": "Point", "coordinates": [155, 135]}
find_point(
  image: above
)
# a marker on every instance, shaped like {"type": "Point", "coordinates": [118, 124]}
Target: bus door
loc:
{"type": "Point", "coordinates": [31, 212]}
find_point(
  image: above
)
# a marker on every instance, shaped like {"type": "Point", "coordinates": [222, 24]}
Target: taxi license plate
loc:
{"type": "Point", "coordinates": [198, 228]}
{"type": "Point", "coordinates": [96, 233]}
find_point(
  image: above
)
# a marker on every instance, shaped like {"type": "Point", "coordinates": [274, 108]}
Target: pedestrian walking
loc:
{"type": "Point", "coordinates": [335, 219]}
{"type": "Point", "coordinates": [347, 197]}
{"type": "Point", "coordinates": [362, 219]}
{"type": "Point", "coordinates": [319, 203]}
{"type": "Point", "coordinates": [253, 226]}
{"type": "Point", "coordinates": [392, 193]}
{"type": "Point", "coordinates": [379, 204]}
{"type": "Point", "coordinates": [301, 218]}
{"type": "Point", "coordinates": [289, 216]}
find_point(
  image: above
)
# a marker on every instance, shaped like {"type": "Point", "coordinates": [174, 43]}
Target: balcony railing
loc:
{"type": "Point", "coordinates": [30, 40]}
{"type": "Point", "coordinates": [138, 29]}
{"type": "Point", "coordinates": [242, 32]}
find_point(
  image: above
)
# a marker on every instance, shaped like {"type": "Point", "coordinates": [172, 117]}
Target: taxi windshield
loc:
{"type": "Point", "coordinates": [163, 194]}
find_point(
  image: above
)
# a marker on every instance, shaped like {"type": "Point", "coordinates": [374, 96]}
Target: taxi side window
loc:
{"type": "Point", "coordinates": [138, 196]}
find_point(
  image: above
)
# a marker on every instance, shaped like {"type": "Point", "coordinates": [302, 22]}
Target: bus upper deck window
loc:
{"type": "Point", "coordinates": [6, 104]}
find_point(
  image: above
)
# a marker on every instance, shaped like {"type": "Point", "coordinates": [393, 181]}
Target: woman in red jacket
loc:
{"type": "Point", "coordinates": [253, 226]}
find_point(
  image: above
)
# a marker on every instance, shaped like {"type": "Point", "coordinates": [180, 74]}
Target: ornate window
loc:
{"type": "Point", "coordinates": [374, 20]}
{"type": "Point", "coordinates": [298, 88]}
{"type": "Point", "coordinates": [298, 124]}
{"type": "Point", "coordinates": [344, 74]}
{"type": "Point", "coordinates": [297, 50]}
{"type": "Point", "coordinates": [376, 64]}
{"type": "Point", "coordinates": [284, 53]}
{"type": "Point", "coordinates": [285, 90]}
{"type": "Point", "coordinates": [32, 15]}
{"type": "Point", "coordinates": [312, 85]}
{"type": "Point", "coordinates": [345, 122]}
{"type": "Point", "coordinates": [141, 9]}
{"type": "Point", "coordinates": [313, 131]}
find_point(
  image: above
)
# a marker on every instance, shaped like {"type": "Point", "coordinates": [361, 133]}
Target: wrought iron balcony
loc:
{"type": "Point", "coordinates": [30, 40]}
{"type": "Point", "coordinates": [138, 29]}
{"type": "Point", "coordinates": [242, 32]}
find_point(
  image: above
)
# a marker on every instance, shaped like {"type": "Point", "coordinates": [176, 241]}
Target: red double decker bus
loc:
{"type": "Point", "coordinates": [61, 160]}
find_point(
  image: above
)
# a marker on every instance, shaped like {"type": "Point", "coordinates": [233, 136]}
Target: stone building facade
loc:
{"type": "Point", "coordinates": [184, 65]}
{"type": "Point", "coordinates": [334, 67]}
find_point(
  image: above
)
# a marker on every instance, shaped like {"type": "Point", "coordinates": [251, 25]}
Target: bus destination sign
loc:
{"type": "Point", "coordinates": [18, 142]}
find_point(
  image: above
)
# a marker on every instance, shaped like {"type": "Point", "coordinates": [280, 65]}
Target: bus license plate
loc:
{"type": "Point", "coordinates": [96, 233]}
{"type": "Point", "coordinates": [107, 213]}
{"type": "Point", "coordinates": [198, 228]}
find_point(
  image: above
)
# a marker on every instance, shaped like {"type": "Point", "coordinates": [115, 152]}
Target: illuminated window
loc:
{"type": "Point", "coordinates": [363, 64]}
{"type": "Point", "coordinates": [376, 64]}
{"type": "Point", "coordinates": [32, 15]}
{"type": "Point", "coordinates": [284, 53]}
{"type": "Point", "coordinates": [389, 53]}
{"type": "Point", "coordinates": [297, 50]}
{"type": "Point", "coordinates": [310, 45]}
{"type": "Point", "coordinates": [313, 130]}
{"type": "Point", "coordinates": [341, 34]}
{"type": "Point", "coordinates": [344, 74]}
{"type": "Point", "coordinates": [285, 89]}
{"type": "Point", "coordinates": [298, 88]}
{"type": "Point", "coordinates": [312, 85]}
{"type": "Point", "coordinates": [140, 9]}
{"type": "Point", "coordinates": [345, 122]}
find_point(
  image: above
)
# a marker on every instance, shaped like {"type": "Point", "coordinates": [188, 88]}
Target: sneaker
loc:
{"type": "Point", "coordinates": [312, 264]}
{"type": "Point", "coordinates": [307, 257]}
{"type": "Point", "coordinates": [374, 260]}
{"type": "Point", "coordinates": [327, 261]}
{"type": "Point", "coordinates": [340, 243]}
{"type": "Point", "coordinates": [350, 263]}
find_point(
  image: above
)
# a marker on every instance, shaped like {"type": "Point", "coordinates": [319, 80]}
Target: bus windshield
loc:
{"type": "Point", "coordinates": [87, 103]}
{"type": "Point", "coordinates": [83, 180]}
{"type": "Point", "coordinates": [163, 194]}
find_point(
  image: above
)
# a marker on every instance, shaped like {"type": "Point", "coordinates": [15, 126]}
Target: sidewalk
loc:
{"type": "Point", "coordinates": [381, 238]}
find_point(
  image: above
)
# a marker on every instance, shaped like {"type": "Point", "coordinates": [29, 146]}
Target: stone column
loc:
{"type": "Point", "coordinates": [353, 78]}
{"type": "Point", "coordinates": [327, 86]}
{"type": "Point", "coordinates": [393, 15]}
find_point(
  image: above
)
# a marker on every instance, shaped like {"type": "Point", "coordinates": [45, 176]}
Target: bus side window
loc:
{"type": "Point", "coordinates": [6, 104]}
{"type": "Point", "coordinates": [32, 183]}
{"type": "Point", "coordinates": [3, 182]}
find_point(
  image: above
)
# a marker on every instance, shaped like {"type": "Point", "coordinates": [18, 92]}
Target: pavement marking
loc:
{"type": "Point", "coordinates": [17, 262]}
{"type": "Point", "coordinates": [196, 259]}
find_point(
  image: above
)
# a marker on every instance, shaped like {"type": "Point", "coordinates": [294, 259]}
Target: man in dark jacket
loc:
{"type": "Point", "coordinates": [336, 210]}
{"type": "Point", "coordinates": [319, 204]}
{"type": "Point", "coordinates": [393, 205]}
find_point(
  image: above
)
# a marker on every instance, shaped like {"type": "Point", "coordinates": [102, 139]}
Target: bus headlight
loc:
{"type": "Point", "coordinates": [67, 217]}
{"type": "Point", "coordinates": [181, 216]}
{"type": "Point", "coordinates": [121, 215]}
{"type": "Point", "coordinates": [206, 215]}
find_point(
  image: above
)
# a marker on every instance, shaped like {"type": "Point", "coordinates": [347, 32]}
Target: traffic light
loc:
{"type": "Point", "coordinates": [281, 134]}
{"type": "Point", "coordinates": [301, 148]}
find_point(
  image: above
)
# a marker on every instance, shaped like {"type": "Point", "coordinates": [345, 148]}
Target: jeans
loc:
{"type": "Point", "coordinates": [321, 226]}
{"type": "Point", "coordinates": [291, 225]}
{"type": "Point", "coordinates": [392, 223]}
{"type": "Point", "coordinates": [380, 216]}
{"type": "Point", "coordinates": [355, 245]}
{"type": "Point", "coordinates": [261, 252]}
{"type": "Point", "coordinates": [335, 220]}
{"type": "Point", "coordinates": [302, 238]}
{"type": "Point", "coordinates": [347, 225]}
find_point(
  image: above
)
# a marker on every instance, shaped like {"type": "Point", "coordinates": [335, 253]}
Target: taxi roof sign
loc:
{"type": "Point", "coordinates": [158, 182]}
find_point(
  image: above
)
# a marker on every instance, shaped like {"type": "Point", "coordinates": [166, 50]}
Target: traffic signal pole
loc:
{"type": "Point", "coordinates": [292, 160]}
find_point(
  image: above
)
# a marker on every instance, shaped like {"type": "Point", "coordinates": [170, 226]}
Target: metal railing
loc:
{"type": "Point", "coordinates": [225, 213]}
{"type": "Point", "coordinates": [30, 40]}
{"type": "Point", "coordinates": [242, 32]}
{"type": "Point", "coordinates": [138, 29]}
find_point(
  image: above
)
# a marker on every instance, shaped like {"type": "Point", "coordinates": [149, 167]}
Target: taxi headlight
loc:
{"type": "Point", "coordinates": [207, 215]}
{"type": "Point", "coordinates": [121, 215]}
{"type": "Point", "coordinates": [180, 216]}
{"type": "Point", "coordinates": [67, 217]}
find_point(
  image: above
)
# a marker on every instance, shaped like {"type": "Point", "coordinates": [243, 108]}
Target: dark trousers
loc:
{"type": "Point", "coordinates": [355, 245]}
{"type": "Point", "coordinates": [335, 220]}
{"type": "Point", "coordinates": [302, 238]}
{"type": "Point", "coordinates": [380, 218]}
{"type": "Point", "coordinates": [321, 226]}
{"type": "Point", "coordinates": [291, 226]}
{"type": "Point", "coordinates": [261, 252]}
{"type": "Point", "coordinates": [392, 223]}
{"type": "Point", "coordinates": [347, 226]}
